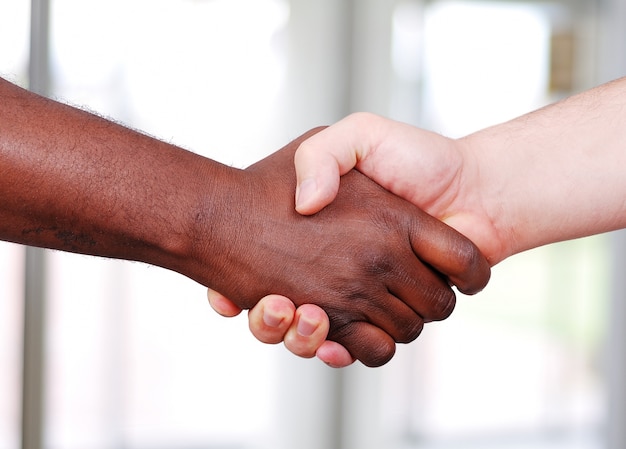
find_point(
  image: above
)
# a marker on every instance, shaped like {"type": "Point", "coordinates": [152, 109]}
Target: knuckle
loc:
{"type": "Point", "coordinates": [298, 347]}
{"type": "Point", "coordinates": [379, 354]}
{"type": "Point", "coordinates": [339, 321]}
{"type": "Point", "coordinates": [474, 270]}
{"type": "Point", "coordinates": [411, 331]}
{"type": "Point", "coordinates": [468, 255]}
{"type": "Point", "coordinates": [371, 352]}
{"type": "Point", "coordinates": [377, 261]}
{"type": "Point", "coordinates": [358, 297]}
{"type": "Point", "coordinates": [443, 302]}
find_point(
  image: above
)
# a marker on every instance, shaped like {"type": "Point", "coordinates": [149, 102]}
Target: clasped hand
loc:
{"type": "Point", "coordinates": [377, 265]}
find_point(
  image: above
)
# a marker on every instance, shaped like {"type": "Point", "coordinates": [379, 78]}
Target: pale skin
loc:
{"type": "Point", "coordinates": [551, 175]}
{"type": "Point", "coordinates": [73, 181]}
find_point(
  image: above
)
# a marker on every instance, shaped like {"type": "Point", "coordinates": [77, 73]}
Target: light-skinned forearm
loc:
{"type": "Point", "coordinates": [551, 175]}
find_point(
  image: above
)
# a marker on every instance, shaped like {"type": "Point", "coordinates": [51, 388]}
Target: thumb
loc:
{"type": "Point", "coordinates": [323, 158]}
{"type": "Point", "coordinates": [222, 305]}
{"type": "Point", "coordinates": [317, 175]}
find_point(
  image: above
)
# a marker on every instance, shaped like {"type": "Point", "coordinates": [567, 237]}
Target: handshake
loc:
{"type": "Point", "coordinates": [378, 265]}
{"type": "Point", "coordinates": [367, 256]}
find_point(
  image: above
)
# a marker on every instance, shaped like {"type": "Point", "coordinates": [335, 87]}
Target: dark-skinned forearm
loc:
{"type": "Point", "coordinates": [72, 181]}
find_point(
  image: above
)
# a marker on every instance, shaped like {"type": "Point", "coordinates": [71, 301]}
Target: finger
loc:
{"type": "Point", "coordinates": [308, 331]}
{"type": "Point", "coordinates": [222, 304]}
{"type": "Point", "coordinates": [323, 158]}
{"type": "Point", "coordinates": [451, 254]}
{"type": "Point", "coordinates": [401, 312]}
{"type": "Point", "coordinates": [368, 343]}
{"type": "Point", "coordinates": [270, 319]}
{"type": "Point", "coordinates": [415, 285]}
{"type": "Point", "coordinates": [334, 355]}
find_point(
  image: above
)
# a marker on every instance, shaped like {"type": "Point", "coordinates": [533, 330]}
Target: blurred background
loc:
{"type": "Point", "coordinates": [99, 354]}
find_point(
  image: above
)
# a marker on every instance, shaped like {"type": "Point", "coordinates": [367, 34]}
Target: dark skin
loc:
{"type": "Point", "coordinates": [72, 181]}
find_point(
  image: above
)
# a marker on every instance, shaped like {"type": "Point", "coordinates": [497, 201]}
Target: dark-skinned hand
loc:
{"type": "Point", "coordinates": [376, 264]}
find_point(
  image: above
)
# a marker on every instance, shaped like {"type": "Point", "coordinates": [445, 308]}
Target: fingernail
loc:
{"type": "Point", "coordinates": [305, 328]}
{"type": "Point", "coordinates": [305, 191]}
{"type": "Point", "coordinates": [271, 320]}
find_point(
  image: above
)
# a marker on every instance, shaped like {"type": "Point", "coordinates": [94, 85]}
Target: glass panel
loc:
{"type": "Point", "coordinates": [14, 32]}
{"type": "Point", "coordinates": [11, 294]}
{"type": "Point", "coordinates": [14, 35]}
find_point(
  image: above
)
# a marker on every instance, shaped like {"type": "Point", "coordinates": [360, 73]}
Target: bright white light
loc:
{"type": "Point", "coordinates": [485, 62]}
{"type": "Point", "coordinates": [14, 35]}
{"type": "Point", "coordinates": [406, 50]}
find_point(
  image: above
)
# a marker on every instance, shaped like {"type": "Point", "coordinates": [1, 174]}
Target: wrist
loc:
{"type": "Point", "coordinates": [211, 225]}
{"type": "Point", "coordinates": [479, 211]}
